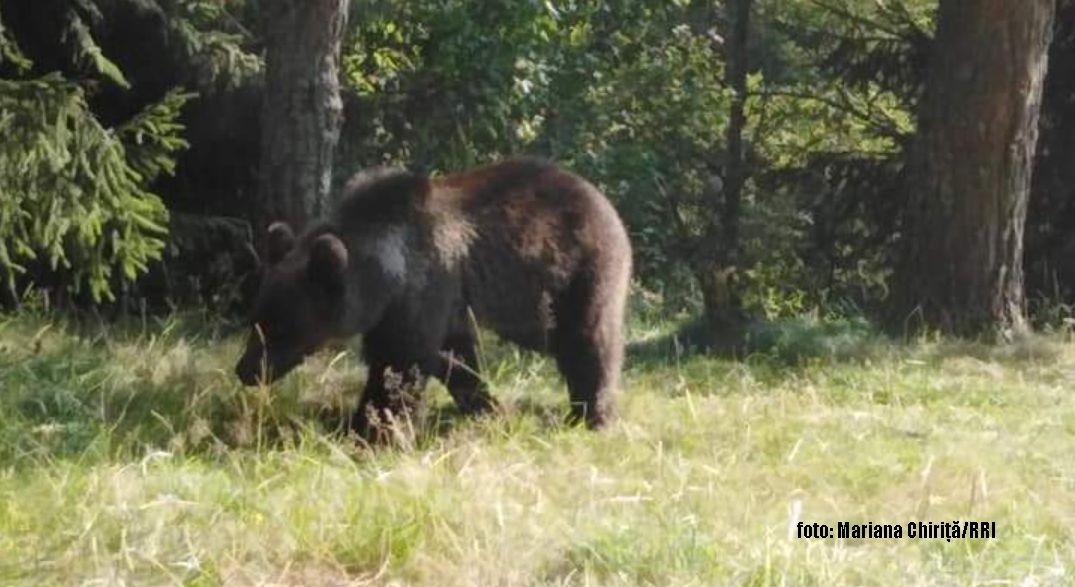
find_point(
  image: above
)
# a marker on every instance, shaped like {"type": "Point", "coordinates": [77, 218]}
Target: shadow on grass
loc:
{"type": "Point", "coordinates": [788, 341]}
{"type": "Point", "coordinates": [74, 391]}
{"type": "Point", "coordinates": [102, 397]}
{"type": "Point", "coordinates": [70, 392]}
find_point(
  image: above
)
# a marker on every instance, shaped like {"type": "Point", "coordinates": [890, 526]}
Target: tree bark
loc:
{"type": "Point", "coordinates": [718, 272]}
{"type": "Point", "coordinates": [301, 110]}
{"type": "Point", "coordinates": [961, 268]}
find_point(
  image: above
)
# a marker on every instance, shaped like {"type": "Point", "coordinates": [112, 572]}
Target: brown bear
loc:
{"type": "Point", "coordinates": [522, 247]}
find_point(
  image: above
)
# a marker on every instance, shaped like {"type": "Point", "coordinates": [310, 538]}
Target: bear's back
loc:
{"type": "Point", "coordinates": [381, 195]}
{"type": "Point", "coordinates": [535, 229]}
{"type": "Point", "coordinates": [391, 194]}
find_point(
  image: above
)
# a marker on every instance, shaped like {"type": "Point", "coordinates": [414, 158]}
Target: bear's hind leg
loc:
{"type": "Point", "coordinates": [589, 350]}
{"type": "Point", "coordinates": [592, 376]}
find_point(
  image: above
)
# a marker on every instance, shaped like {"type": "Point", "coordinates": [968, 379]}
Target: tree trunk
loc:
{"type": "Point", "coordinates": [301, 110]}
{"type": "Point", "coordinates": [961, 268]}
{"type": "Point", "coordinates": [718, 272]}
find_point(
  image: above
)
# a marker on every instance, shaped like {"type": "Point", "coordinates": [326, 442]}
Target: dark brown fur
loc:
{"type": "Point", "coordinates": [524, 248]}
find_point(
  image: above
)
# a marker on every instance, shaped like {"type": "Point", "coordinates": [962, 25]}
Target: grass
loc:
{"type": "Point", "coordinates": [133, 457]}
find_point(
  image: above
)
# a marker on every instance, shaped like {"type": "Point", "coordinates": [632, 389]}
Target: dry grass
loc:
{"type": "Point", "coordinates": [135, 458]}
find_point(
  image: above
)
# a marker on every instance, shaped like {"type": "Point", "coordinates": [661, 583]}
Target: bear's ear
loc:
{"type": "Point", "coordinates": [280, 241]}
{"type": "Point", "coordinates": [328, 260]}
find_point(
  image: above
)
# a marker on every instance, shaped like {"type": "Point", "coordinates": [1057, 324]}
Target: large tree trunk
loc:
{"type": "Point", "coordinates": [718, 271]}
{"type": "Point", "coordinates": [961, 268]}
{"type": "Point", "coordinates": [301, 110]}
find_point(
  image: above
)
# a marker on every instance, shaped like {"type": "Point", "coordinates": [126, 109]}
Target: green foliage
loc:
{"type": "Point", "coordinates": [560, 81]}
{"type": "Point", "coordinates": [74, 199]}
{"type": "Point", "coordinates": [10, 53]}
{"type": "Point", "coordinates": [632, 95]}
{"type": "Point", "coordinates": [87, 52]}
{"type": "Point", "coordinates": [153, 136]}
{"type": "Point", "coordinates": [443, 85]}
{"type": "Point", "coordinates": [834, 138]}
{"type": "Point", "coordinates": [629, 94]}
{"type": "Point", "coordinates": [208, 41]}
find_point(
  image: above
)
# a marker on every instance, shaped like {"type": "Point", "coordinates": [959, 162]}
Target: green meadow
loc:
{"type": "Point", "coordinates": [132, 456]}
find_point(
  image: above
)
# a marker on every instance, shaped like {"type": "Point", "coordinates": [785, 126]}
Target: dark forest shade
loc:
{"type": "Point", "coordinates": [961, 268]}
{"type": "Point", "coordinates": [1050, 245]}
{"type": "Point", "coordinates": [717, 272]}
{"type": "Point", "coordinates": [301, 109]}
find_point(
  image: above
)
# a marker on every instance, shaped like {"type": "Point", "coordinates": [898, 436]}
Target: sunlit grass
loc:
{"type": "Point", "coordinates": [134, 457]}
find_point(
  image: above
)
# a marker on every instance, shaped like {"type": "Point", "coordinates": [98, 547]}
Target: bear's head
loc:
{"type": "Point", "coordinates": [300, 305]}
